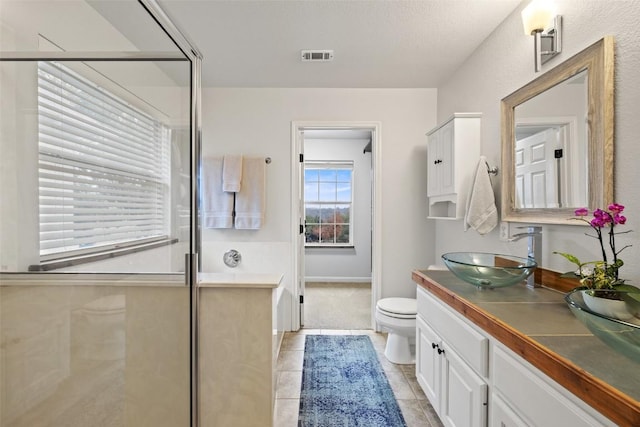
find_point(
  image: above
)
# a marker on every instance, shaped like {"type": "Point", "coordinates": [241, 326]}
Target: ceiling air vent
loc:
{"type": "Point", "coordinates": [317, 55]}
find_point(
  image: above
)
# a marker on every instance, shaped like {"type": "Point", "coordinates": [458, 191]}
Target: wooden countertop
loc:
{"type": "Point", "coordinates": [537, 325]}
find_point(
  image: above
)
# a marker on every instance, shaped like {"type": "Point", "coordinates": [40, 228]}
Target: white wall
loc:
{"type": "Point", "coordinates": [257, 122]}
{"type": "Point", "coordinates": [344, 264]}
{"type": "Point", "coordinates": [502, 64]}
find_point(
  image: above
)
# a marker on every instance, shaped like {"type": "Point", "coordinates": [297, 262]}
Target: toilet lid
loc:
{"type": "Point", "coordinates": [401, 306]}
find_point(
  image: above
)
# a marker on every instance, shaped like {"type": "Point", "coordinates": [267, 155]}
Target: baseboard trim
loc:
{"type": "Point", "coordinates": [334, 279]}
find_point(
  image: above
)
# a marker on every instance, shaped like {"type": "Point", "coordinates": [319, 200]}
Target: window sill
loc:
{"type": "Point", "coordinates": [98, 256]}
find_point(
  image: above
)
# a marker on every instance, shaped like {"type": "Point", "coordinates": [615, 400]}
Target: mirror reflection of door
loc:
{"type": "Point", "coordinates": [550, 164]}
{"type": "Point", "coordinates": [538, 172]}
{"type": "Point", "coordinates": [551, 121]}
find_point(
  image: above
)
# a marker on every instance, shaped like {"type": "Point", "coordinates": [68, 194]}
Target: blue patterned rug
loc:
{"type": "Point", "coordinates": [344, 385]}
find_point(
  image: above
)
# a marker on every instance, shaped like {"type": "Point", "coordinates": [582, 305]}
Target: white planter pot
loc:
{"type": "Point", "coordinates": [616, 309]}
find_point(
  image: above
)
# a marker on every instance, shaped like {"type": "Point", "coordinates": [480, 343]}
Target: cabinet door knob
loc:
{"type": "Point", "coordinates": [440, 351]}
{"type": "Point", "coordinates": [434, 345]}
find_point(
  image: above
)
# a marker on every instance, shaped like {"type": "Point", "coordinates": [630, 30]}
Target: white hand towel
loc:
{"type": "Point", "coordinates": [250, 199]}
{"type": "Point", "coordinates": [481, 214]}
{"type": "Point", "coordinates": [217, 205]}
{"type": "Point", "coordinates": [231, 173]}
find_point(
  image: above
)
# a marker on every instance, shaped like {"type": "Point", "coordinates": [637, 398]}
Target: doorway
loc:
{"type": "Point", "coordinates": [336, 238]}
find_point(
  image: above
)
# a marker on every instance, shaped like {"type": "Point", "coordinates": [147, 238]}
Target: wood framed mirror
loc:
{"type": "Point", "coordinates": [557, 140]}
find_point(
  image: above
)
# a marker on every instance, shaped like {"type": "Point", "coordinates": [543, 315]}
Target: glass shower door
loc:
{"type": "Point", "coordinates": [97, 227]}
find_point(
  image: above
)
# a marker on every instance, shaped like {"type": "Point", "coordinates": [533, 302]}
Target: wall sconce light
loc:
{"type": "Point", "coordinates": [539, 20]}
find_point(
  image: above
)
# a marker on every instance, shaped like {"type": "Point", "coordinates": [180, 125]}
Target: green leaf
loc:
{"type": "Point", "coordinates": [631, 296]}
{"type": "Point", "coordinates": [627, 288]}
{"type": "Point", "coordinates": [570, 275]}
{"type": "Point", "coordinates": [570, 257]}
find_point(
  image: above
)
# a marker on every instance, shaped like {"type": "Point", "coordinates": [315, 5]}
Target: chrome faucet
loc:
{"type": "Point", "coordinates": [534, 248]}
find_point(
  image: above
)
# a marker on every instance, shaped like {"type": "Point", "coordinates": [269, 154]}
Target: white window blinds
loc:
{"type": "Point", "coordinates": [103, 167]}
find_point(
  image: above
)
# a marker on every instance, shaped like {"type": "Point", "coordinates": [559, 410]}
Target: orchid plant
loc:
{"type": "Point", "coordinates": [601, 274]}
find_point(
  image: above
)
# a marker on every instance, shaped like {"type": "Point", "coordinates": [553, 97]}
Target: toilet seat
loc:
{"type": "Point", "coordinates": [399, 308]}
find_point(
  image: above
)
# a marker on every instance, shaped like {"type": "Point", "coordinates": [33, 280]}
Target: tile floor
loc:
{"type": "Point", "coordinates": [416, 409]}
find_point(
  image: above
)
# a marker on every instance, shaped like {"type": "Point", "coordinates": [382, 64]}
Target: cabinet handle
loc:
{"type": "Point", "coordinates": [440, 351]}
{"type": "Point", "coordinates": [434, 345]}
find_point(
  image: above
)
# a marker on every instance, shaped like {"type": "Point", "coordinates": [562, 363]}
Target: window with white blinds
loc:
{"type": "Point", "coordinates": [103, 168]}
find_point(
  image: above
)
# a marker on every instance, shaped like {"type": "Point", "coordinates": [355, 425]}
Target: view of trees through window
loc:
{"type": "Point", "coordinates": [328, 201]}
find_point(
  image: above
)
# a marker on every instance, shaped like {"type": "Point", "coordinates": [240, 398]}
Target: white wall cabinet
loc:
{"type": "Point", "coordinates": [441, 160]}
{"type": "Point", "coordinates": [453, 150]}
{"type": "Point", "coordinates": [457, 391]}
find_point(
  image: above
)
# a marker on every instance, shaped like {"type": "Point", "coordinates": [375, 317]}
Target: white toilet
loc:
{"type": "Point", "coordinates": [398, 317]}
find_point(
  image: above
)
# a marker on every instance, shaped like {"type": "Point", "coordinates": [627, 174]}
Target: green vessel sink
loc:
{"type": "Point", "coordinates": [621, 335]}
{"type": "Point", "coordinates": [487, 270]}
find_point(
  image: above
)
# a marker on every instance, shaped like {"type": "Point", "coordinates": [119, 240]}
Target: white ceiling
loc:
{"type": "Point", "coordinates": [377, 43]}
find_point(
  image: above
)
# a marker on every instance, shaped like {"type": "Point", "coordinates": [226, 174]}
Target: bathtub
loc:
{"type": "Point", "coordinates": [239, 342]}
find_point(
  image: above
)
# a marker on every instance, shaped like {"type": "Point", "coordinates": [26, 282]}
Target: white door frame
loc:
{"type": "Point", "coordinates": [376, 238]}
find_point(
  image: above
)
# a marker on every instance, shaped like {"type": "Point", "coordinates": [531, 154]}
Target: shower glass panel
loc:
{"type": "Point", "coordinates": [81, 26]}
{"type": "Point", "coordinates": [96, 218]}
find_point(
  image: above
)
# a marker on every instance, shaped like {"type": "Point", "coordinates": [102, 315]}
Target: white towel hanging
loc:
{"type": "Point", "coordinates": [481, 213]}
{"type": "Point", "coordinates": [231, 173]}
{"type": "Point", "coordinates": [217, 205]}
{"type": "Point", "coordinates": [250, 199]}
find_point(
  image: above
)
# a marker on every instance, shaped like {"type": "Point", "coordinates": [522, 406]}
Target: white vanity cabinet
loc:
{"type": "Point", "coordinates": [523, 396]}
{"type": "Point", "coordinates": [451, 364]}
{"type": "Point", "coordinates": [453, 150]}
{"type": "Point", "coordinates": [428, 361]}
{"type": "Point", "coordinates": [473, 380]}
{"type": "Point", "coordinates": [502, 415]}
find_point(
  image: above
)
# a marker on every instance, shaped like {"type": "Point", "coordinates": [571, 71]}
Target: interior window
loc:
{"type": "Point", "coordinates": [328, 198]}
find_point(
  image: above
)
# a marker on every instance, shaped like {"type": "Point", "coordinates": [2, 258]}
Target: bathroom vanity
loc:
{"type": "Point", "coordinates": [517, 357]}
{"type": "Point", "coordinates": [239, 342]}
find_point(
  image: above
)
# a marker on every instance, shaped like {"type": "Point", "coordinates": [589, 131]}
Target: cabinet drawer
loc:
{"type": "Point", "coordinates": [470, 344]}
{"type": "Point", "coordinates": [531, 395]}
{"type": "Point", "coordinates": [502, 415]}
